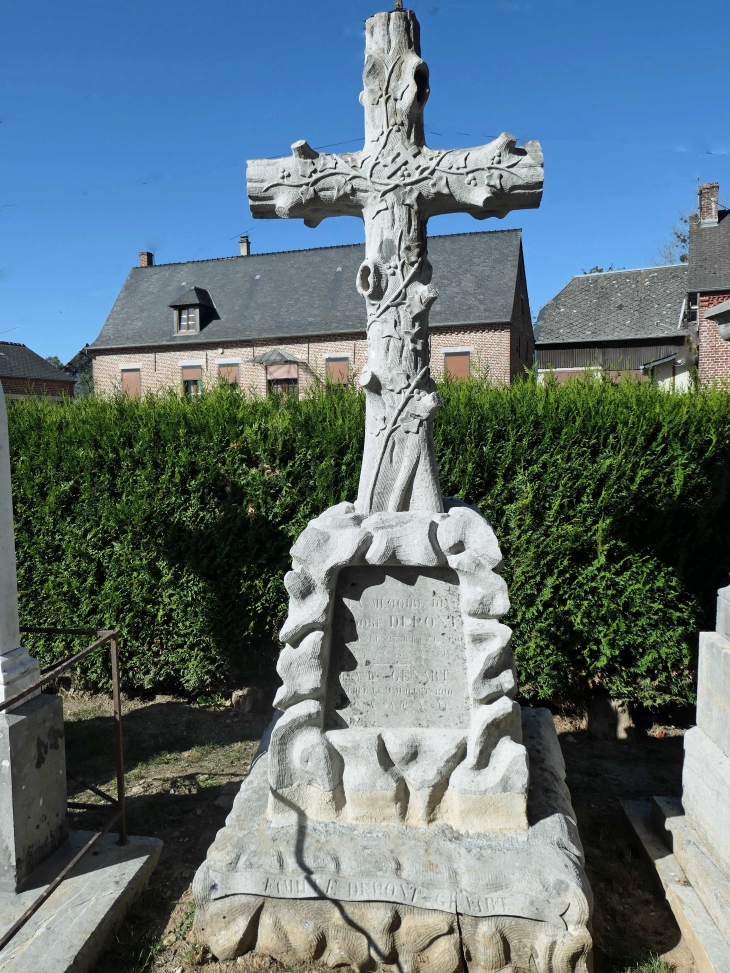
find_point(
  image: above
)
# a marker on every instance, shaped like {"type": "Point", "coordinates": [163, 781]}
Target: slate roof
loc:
{"type": "Point", "coordinates": [17, 361]}
{"type": "Point", "coordinates": [193, 297]}
{"type": "Point", "coordinates": [619, 305]}
{"type": "Point", "coordinates": [709, 254]}
{"type": "Point", "coordinates": [275, 356]}
{"type": "Point", "coordinates": [308, 292]}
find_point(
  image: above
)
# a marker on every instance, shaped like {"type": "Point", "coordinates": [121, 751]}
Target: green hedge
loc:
{"type": "Point", "coordinates": [173, 520]}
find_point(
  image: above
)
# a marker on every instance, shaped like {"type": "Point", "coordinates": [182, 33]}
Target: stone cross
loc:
{"type": "Point", "coordinates": [395, 184]}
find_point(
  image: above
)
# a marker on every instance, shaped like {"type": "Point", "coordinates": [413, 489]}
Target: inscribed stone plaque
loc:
{"type": "Point", "coordinates": [398, 655]}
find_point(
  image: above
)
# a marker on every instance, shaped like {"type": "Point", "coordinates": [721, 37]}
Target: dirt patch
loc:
{"type": "Point", "coordinates": [179, 757]}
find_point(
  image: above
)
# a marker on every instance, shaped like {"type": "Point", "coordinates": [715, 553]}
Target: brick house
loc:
{"type": "Point", "coordinates": [24, 374]}
{"type": "Point", "coordinates": [709, 282]}
{"type": "Point", "coordinates": [623, 321]}
{"type": "Point", "coordinates": [283, 320]}
{"type": "Point", "coordinates": [655, 322]}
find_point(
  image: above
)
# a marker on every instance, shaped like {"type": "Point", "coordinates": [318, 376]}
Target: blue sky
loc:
{"type": "Point", "coordinates": [125, 126]}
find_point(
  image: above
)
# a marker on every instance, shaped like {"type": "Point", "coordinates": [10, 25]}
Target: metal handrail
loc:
{"type": "Point", "coordinates": [108, 637]}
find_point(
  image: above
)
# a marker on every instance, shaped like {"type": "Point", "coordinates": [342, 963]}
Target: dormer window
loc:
{"type": "Point", "coordinates": [187, 319]}
{"type": "Point", "coordinates": [193, 310]}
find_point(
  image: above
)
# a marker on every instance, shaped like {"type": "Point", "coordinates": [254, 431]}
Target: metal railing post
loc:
{"type": "Point", "coordinates": [118, 747]}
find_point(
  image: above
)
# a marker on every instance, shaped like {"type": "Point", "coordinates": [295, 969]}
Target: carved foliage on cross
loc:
{"type": "Point", "coordinates": [395, 184]}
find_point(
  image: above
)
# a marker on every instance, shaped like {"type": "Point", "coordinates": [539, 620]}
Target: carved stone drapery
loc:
{"type": "Point", "coordinates": [395, 184]}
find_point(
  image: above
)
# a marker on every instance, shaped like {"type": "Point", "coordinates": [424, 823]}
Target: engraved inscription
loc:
{"type": "Point", "coordinates": [398, 656]}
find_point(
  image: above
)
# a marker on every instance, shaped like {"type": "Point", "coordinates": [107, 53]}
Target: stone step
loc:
{"type": "Point", "coordinates": [701, 868]}
{"type": "Point", "coordinates": [710, 949]}
{"type": "Point", "coordinates": [72, 927]}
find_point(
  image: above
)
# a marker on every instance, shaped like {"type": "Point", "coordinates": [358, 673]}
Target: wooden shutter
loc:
{"type": "Point", "coordinates": [457, 364]}
{"type": "Point", "coordinates": [191, 373]}
{"type": "Point", "coordinates": [283, 370]}
{"type": "Point", "coordinates": [132, 382]}
{"type": "Point", "coordinates": [337, 370]}
{"type": "Point", "coordinates": [229, 373]}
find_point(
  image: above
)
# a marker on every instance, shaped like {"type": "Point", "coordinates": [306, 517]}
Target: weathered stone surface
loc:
{"type": "Point", "coordinates": [395, 184]}
{"type": "Point", "coordinates": [398, 653]}
{"type": "Point", "coordinates": [706, 793]}
{"type": "Point", "coordinates": [708, 880]}
{"type": "Point", "coordinates": [709, 948]}
{"type": "Point", "coordinates": [72, 927]}
{"type": "Point", "coordinates": [33, 821]}
{"type": "Point", "coordinates": [713, 686]}
{"type": "Point", "coordinates": [396, 663]}
{"type": "Point", "coordinates": [290, 876]}
{"type": "Point", "coordinates": [391, 795]}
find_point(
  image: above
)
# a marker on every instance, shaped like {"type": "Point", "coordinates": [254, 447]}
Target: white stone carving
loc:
{"type": "Point", "coordinates": [395, 184]}
{"type": "Point", "coordinates": [453, 753]}
{"type": "Point", "coordinates": [396, 817]}
{"type": "Point", "coordinates": [412, 898]}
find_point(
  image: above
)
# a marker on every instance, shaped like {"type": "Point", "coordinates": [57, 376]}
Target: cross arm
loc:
{"type": "Point", "coordinates": [308, 185]}
{"type": "Point", "coordinates": [488, 180]}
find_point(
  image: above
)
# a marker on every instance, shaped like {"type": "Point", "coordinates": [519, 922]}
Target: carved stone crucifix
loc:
{"type": "Point", "coordinates": [395, 184]}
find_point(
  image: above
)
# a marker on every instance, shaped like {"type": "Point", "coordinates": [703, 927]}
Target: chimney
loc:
{"type": "Point", "coordinates": [146, 259]}
{"type": "Point", "coordinates": [244, 247]}
{"type": "Point", "coordinates": [708, 194]}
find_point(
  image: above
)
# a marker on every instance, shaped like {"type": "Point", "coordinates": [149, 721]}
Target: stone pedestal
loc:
{"type": "Point", "coordinates": [33, 822]}
{"type": "Point", "coordinates": [402, 809]}
{"type": "Point", "coordinates": [383, 897]}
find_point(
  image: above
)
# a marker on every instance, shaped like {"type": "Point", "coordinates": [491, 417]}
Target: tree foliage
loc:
{"type": "Point", "coordinates": [173, 520]}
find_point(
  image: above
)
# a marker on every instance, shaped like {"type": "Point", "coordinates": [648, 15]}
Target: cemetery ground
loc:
{"type": "Point", "coordinates": [184, 762]}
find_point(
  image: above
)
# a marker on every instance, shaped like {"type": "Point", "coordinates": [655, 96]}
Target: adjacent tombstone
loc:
{"type": "Point", "coordinates": [402, 811]}
{"type": "Point", "coordinates": [33, 820]}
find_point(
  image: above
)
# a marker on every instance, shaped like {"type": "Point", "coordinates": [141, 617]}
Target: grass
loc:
{"type": "Point", "coordinates": [652, 965]}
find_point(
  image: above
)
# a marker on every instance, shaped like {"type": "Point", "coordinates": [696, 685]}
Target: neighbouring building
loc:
{"type": "Point", "coordinates": [24, 374]}
{"type": "Point", "coordinates": [656, 322]}
{"type": "Point", "coordinates": [80, 368]}
{"type": "Point", "coordinates": [623, 321]}
{"type": "Point", "coordinates": [709, 282]}
{"type": "Point", "coordinates": [279, 321]}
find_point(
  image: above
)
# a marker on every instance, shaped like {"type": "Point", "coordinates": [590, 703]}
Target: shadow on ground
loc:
{"type": "Point", "coordinates": [631, 917]}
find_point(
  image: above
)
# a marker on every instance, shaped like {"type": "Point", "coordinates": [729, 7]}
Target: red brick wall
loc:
{"type": "Point", "coordinates": [491, 348]}
{"type": "Point", "coordinates": [714, 353]}
{"type": "Point", "coordinates": [14, 386]}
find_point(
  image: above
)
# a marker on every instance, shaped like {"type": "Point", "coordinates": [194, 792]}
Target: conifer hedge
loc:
{"type": "Point", "coordinates": [173, 519]}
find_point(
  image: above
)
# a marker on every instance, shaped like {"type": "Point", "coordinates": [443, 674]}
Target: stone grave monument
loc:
{"type": "Point", "coordinates": [403, 812]}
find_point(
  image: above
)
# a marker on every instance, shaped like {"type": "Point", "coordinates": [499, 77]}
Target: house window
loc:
{"type": "Point", "coordinates": [191, 378]}
{"type": "Point", "coordinates": [228, 373]}
{"type": "Point", "coordinates": [283, 379]}
{"type": "Point", "coordinates": [456, 364]}
{"type": "Point", "coordinates": [338, 370]}
{"type": "Point", "coordinates": [132, 382]}
{"type": "Point", "coordinates": [187, 319]}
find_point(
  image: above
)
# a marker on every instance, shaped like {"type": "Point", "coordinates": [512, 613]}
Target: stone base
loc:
{"type": "Point", "coordinates": [33, 821]}
{"type": "Point", "coordinates": [696, 889]}
{"type": "Point", "coordinates": [403, 898]}
{"type": "Point", "coordinates": [72, 927]}
{"type": "Point", "coordinates": [706, 792]}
